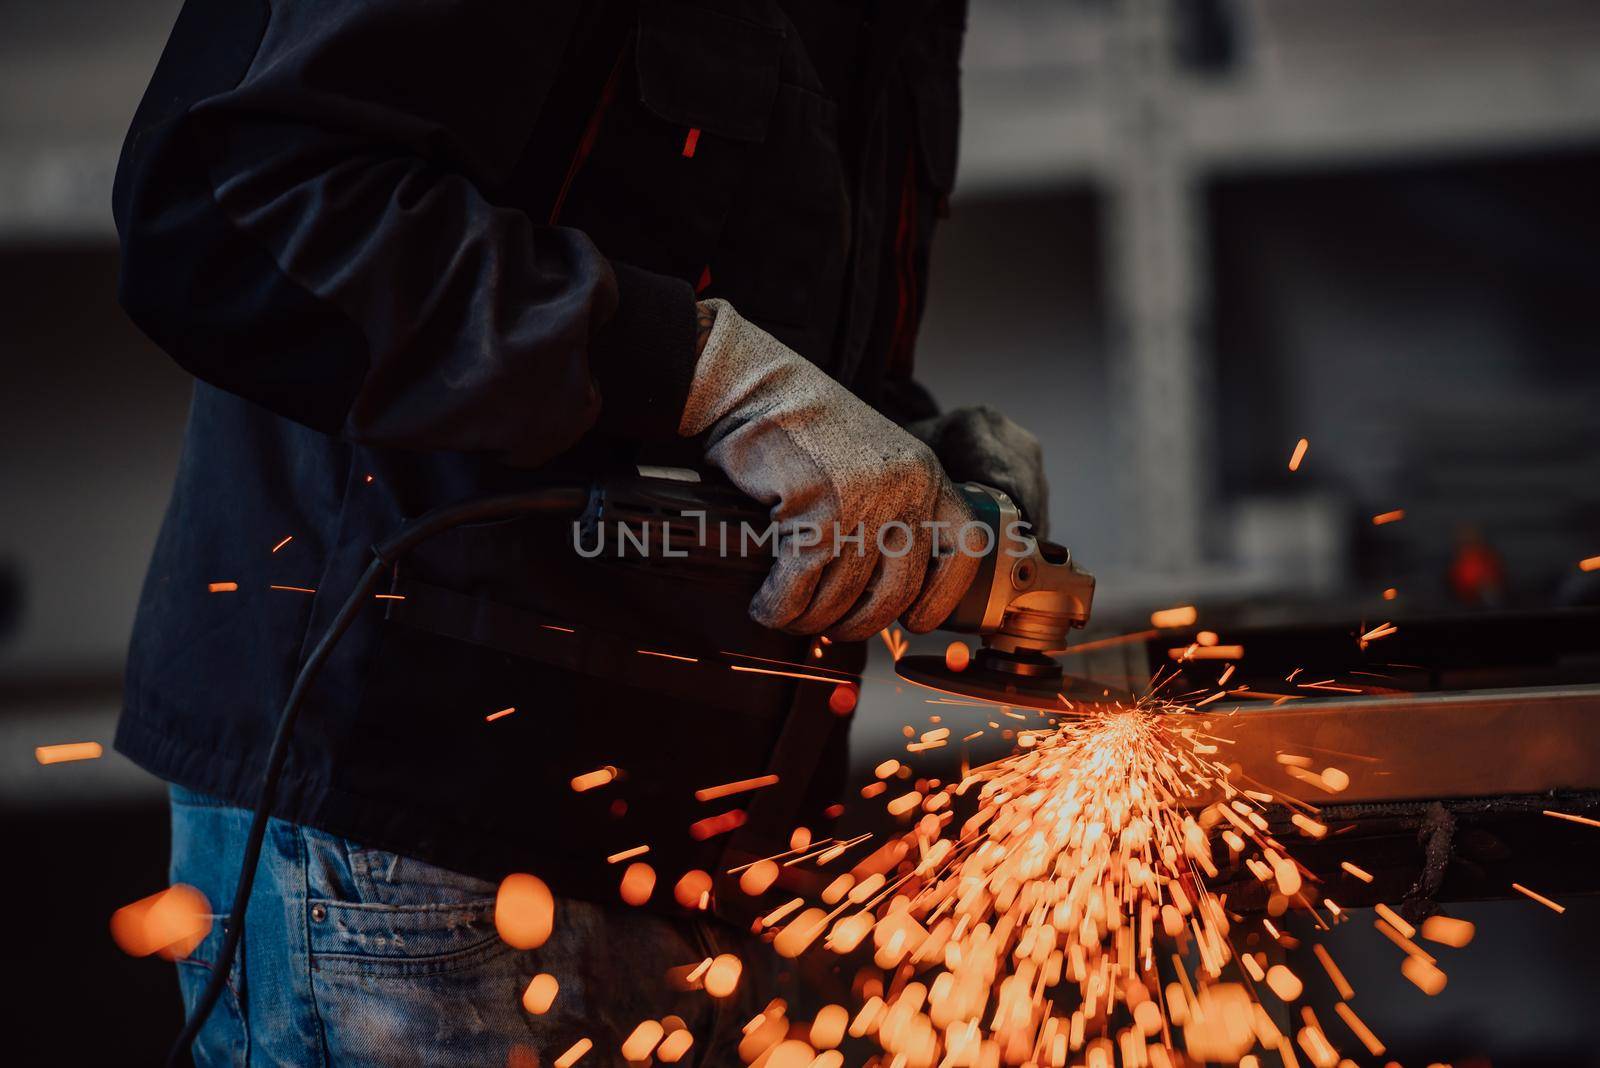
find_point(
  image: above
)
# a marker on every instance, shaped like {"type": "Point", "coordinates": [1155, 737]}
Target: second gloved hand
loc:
{"type": "Point", "coordinates": [831, 468]}
{"type": "Point", "coordinates": [981, 445]}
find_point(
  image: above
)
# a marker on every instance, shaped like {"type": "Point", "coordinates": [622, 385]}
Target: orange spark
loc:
{"type": "Point", "coordinates": [578, 1048]}
{"type": "Point", "coordinates": [1390, 594]}
{"type": "Point", "coordinates": [1393, 516]}
{"type": "Point", "coordinates": [1404, 944]}
{"type": "Point", "coordinates": [541, 993]}
{"type": "Point", "coordinates": [1540, 898]}
{"type": "Point", "coordinates": [1206, 652]}
{"type": "Point", "coordinates": [1395, 920]}
{"type": "Point", "coordinates": [674, 1046]}
{"type": "Point", "coordinates": [1340, 983]}
{"type": "Point", "coordinates": [713, 793]}
{"type": "Point", "coordinates": [171, 923]}
{"type": "Point", "coordinates": [1575, 819]}
{"type": "Point", "coordinates": [628, 854]}
{"type": "Point", "coordinates": [524, 911]}
{"type": "Point", "coordinates": [1359, 1029]}
{"type": "Point", "coordinates": [1107, 643]}
{"type": "Point", "coordinates": [692, 890]}
{"type": "Point", "coordinates": [1299, 454]}
{"type": "Point", "coordinates": [591, 780]}
{"type": "Point", "coordinates": [722, 978]}
{"type": "Point", "coordinates": [1427, 978]}
{"type": "Point", "coordinates": [668, 656]}
{"type": "Point", "coordinates": [1447, 931]}
{"type": "Point", "coordinates": [638, 883]}
{"type": "Point", "coordinates": [785, 674]}
{"type": "Point", "coordinates": [1359, 873]}
{"type": "Point", "coordinates": [492, 716]}
{"type": "Point", "coordinates": [222, 587]}
{"type": "Point", "coordinates": [759, 877]}
{"type": "Point", "coordinates": [1589, 563]}
{"type": "Point", "coordinates": [712, 826]}
{"type": "Point", "coordinates": [1182, 616]}
{"type": "Point", "coordinates": [294, 589]}
{"type": "Point", "coordinates": [282, 543]}
{"type": "Point", "coordinates": [67, 751]}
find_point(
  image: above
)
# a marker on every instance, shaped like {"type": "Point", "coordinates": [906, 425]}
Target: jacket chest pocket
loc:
{"type": "Point", "coordinates": [674, 137]}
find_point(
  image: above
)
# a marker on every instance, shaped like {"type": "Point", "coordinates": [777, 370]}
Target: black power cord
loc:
{"type": "Point", "coordinates": [555, 499]}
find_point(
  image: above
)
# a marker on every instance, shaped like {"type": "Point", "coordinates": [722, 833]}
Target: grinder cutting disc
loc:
{"type": "Point", "coordinates": [981, 681]}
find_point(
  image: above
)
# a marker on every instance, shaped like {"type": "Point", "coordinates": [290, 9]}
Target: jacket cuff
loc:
{"type": "Point", "coordinates": [643, 359]}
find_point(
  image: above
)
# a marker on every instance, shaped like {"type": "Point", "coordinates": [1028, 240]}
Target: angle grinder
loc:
{"type": "Point", "coordinates": [1027, 597]}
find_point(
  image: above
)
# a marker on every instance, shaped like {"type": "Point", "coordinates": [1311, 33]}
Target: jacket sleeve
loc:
{"type": "Point", "coordinates": [306, 205]}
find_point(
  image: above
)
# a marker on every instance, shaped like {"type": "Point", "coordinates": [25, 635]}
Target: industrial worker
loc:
{"type": "Point", "coordinates": [415, 253]}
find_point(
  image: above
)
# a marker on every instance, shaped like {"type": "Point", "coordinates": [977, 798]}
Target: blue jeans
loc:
{"type": "Point", "coordinates": [356, 956]}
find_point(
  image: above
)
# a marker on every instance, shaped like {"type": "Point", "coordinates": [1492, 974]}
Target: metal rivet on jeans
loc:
{"type": "Point", "coordinates": [318, 913]}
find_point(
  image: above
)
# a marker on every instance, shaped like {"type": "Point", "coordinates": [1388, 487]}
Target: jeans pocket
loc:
{"type": "Point", "coordinates": [384, 878]}
{"type": "Point", "coordinates": [403, 917]}
{"type": "Point", "coordinates": [224, 1039]}
{"type": "Point", "coordinates": [403, 940]}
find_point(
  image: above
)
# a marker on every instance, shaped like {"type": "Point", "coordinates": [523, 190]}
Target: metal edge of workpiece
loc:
{"type": "Point", "coordinates": [1426, 746]}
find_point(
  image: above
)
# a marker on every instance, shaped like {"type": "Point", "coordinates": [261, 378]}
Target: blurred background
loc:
{"type": "Point", "coordinates": [1186, 235]}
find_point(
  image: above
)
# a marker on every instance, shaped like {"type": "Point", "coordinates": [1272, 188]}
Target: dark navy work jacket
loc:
{"type": "Point", "coordinates": [419, 252]}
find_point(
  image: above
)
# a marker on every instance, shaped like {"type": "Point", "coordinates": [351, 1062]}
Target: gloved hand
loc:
{"type": "Point", "coordinates": [981, 445]}
{"type": "Point", "coordinates": [790, 436]}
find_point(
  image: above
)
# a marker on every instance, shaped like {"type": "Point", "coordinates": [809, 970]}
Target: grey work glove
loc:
{"type": "Point", "coordinates": [981, 445]}
{"type": "Point", "coordinates": [793, 438]}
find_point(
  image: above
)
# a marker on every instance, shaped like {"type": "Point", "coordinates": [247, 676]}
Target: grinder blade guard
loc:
{"type": "Point", "coordinates": [1027, 596]}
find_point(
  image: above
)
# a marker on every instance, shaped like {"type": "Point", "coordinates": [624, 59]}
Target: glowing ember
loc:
{"type": "Point", "coordinates": [541, 994]}
{"type": "Point", "coordinates": [693, 890]}
{"type": "Point", "coordinates": [722, 978]}
{"type": "Point", "coordinates": [591, 780]}
{"type": "Point", "coordinates": [1447, 931]}
{"type": "Point", "coordinates": [1573, 819]}
{"type": "Point", "coordinates": [67, 752]}
{"type": "Point", "coordinates": [574, 1053]}
{"type": "Point", "coordinates": [1183, 616]}
{"type": "Point", "coordinates": [1299, 454]}
{"type": "Point", "coordinates": [713, 793]}
{"type": "Point", "coordinates": [524, 911]}
{"type": "Point", "coordinates": [1540, 898]}
{"type": "Point", "coordinates": [172, 923]}
{"type": "Point", "coordinates": [638, 883]}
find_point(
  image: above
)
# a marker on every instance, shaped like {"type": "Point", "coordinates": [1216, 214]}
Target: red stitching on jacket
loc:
{"type": "Point", "coordinates": [903, 344]}
{"type": "Point", "coordinates": [590, 132]}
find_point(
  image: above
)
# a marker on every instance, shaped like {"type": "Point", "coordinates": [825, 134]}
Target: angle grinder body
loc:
{"type": "Point", "coordinates": [1026, 598]}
